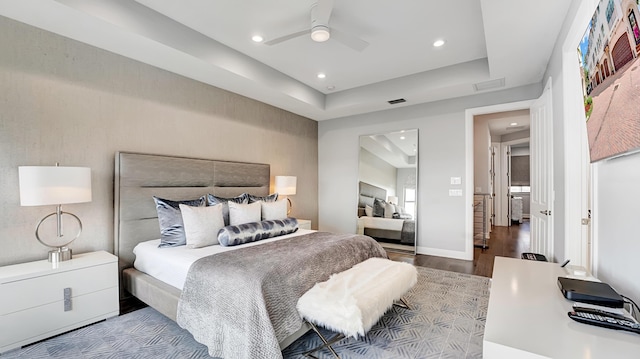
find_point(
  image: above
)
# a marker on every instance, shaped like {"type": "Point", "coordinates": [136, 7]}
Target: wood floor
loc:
{"type": "Point", "coordinates": [504, 242]}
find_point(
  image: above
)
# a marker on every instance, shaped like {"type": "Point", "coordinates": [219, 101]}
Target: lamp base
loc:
{"type": "Point", "coordinates": [60, 255]}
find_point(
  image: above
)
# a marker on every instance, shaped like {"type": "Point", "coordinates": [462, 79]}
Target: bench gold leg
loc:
{"type": "Point", "coordinates": [327, 343]}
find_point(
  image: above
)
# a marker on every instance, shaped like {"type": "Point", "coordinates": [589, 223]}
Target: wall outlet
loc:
{"type": "Point", "coordinates": [456, 180]}
{"type": "Point", "coordinates": [455, 192]}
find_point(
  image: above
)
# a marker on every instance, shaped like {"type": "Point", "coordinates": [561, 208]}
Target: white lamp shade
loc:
{"type": "Point", "coordinates": [286, 185]}
{"type": "Point", "coordinates": [392, 199]}
{"type": "Point", "coordinates": [54, 185]}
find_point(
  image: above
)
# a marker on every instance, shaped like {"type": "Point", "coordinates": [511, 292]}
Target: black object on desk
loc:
{"type": "Point", "coordinates": [586, 291]}
{"type": "Point", "coordinates": [534, 257]}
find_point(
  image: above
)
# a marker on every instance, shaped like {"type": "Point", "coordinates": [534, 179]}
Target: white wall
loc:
{"type": "Point", "coordinates": [377, 172]}
{"type": "Point", "coordinates": [442, 154]}
{"type": "Point", "coordinates": [64, 101]}
{"type": "Point", "coordinates": [616, 213]}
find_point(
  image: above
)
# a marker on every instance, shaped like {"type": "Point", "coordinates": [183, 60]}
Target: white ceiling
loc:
{"type": "Point", "coordinates": [210, 41]}
{"type": "Point", "coordinates": [504, 123]}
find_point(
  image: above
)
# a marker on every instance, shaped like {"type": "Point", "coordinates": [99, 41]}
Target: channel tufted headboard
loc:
{"type": "Point", "coordinates": [367, 193]}
{"type": "Point", "coordinates": [139, 177]}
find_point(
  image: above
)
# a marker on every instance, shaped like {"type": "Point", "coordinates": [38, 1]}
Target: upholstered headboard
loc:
{"type": "Point", "coordinates": [139, 177]}
{"type": "Point", "coordinates": [367, 193]}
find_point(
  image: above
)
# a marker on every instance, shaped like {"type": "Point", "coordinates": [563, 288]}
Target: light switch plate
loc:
{"type": "Point", "coordinates": [455, 192]}
{"type": "Point", "coordinates": [456, 180]}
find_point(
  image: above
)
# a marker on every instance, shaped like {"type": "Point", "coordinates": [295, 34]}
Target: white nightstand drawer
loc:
{"type": "Point", "coordinates": [32, 292]}
{"type": "Point", "coordinates": [27, 326]}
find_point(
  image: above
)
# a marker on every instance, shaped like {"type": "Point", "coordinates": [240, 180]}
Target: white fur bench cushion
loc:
{"type": "Point", "coordinates": [351, 302]}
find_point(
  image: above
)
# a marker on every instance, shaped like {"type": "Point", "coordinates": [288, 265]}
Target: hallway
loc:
{"type": "Point", "coordinates": [504, 242]}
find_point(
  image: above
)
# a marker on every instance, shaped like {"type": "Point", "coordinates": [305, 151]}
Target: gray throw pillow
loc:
{"type": "Point", "coordinates": [256, 231]}
{"type": "Point", "coordinates": [213, 200]}
{"type": "Point", "coordinates": [378, 207]}
{"type": "Point", "coordinates": [270, 198]}
{"type": "Point", "coordinates": [170, 218]}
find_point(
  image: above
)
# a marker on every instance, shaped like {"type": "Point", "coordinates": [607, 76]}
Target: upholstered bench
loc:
{"type": "Point", "coordinates": [351, 302]}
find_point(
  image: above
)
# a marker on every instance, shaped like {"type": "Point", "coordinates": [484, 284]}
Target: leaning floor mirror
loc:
{"type": "Point", "coordinates": [387, 189]}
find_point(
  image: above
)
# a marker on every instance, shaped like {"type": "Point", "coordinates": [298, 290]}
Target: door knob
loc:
{"type": "Point", "coordinates": [546, 212]}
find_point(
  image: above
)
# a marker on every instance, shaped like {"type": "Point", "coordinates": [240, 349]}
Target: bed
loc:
{"type": "Point", "coordinates": [139, 177]}
{"type": "Point", "coordinates": [382, 227]}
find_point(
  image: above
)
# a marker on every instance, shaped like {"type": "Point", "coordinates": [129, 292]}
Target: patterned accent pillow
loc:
{"type": "Point", "coordinates": [270, 198]}
{"type": "Point", "coordinates": [170, 218]}
{"type": "Point", "coordinates": [213, 200]}
{"type": "Point", "coordinates": [378, 207]}
{"type": "Point", "coordinates": [256, 231]}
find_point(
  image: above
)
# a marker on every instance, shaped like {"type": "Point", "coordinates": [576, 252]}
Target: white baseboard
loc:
{"type": "Point", "coordinates": [445, 253]}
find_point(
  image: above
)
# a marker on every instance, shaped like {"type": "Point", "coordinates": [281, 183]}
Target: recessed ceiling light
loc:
{"type": "Point", "coordinates": [438, 43]}
{"type": "Point", "coordinates": [331, 87]}
{"type": "Point", "coordinates": [321, 75]}
{"type": "Point", "coordinates": [257, 38]}
{"type": "Point", "coordinates": [402, 137]}
{"type": "Point", "coordinates": [514, 124]}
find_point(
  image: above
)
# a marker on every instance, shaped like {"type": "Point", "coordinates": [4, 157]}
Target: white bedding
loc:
{"type": "Point", "coordinates": [391, 224]}
{"type": "Point", "coordinates": [171, 265]}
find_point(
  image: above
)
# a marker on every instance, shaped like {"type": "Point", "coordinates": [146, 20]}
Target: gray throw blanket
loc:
{"type": "Point", "coordinates": [242, 303]}
{"type": "Point", "coordinates": [408, 235]}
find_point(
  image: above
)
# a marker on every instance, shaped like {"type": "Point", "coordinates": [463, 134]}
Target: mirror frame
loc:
{"type": "Point", "coordinates": [360, 227]}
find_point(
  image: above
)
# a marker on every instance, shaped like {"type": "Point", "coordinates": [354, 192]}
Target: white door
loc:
{"type": "Point", "coordinates": [542, 174]}
{"type": "Point", "coordinates": [508, 183]}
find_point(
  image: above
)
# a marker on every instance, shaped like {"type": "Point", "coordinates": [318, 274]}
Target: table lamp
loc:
{"type": "Point", "coordinates": [286, 186]}
{"type": "Point", "coordinates": [55, 185]}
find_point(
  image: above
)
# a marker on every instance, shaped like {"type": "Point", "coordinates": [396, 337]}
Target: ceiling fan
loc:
{"type": "Point", "coordinates": [320, 30]}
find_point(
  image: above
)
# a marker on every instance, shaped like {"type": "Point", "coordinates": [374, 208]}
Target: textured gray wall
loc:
{"type": "Point", "coordinates": [64, 101]}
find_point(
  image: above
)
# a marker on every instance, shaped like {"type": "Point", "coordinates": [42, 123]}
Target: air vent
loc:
{"type": "Point", "coordinates": [488, 85]}
{"type": "Point", "coordinates": [396, 101]}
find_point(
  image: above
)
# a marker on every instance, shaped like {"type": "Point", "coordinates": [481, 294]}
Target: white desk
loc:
{"type": "Point", "coordinates": [527, 318]}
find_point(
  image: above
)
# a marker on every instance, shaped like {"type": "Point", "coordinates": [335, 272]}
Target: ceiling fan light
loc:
{"type": "Point", "coordinates": [320, 33]}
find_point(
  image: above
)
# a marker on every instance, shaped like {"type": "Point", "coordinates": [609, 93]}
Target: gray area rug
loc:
{"type": "Point", "coordinates": [446, 321]}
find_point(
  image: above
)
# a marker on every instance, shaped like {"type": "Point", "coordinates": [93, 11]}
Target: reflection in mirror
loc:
{"type": "Point", "coordinates": [387, 189]}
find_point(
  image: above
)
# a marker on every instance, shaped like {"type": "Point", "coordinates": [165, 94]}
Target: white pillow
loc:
{"type": "Point", "coordinates": [274, 210]}
{"type": "Point", "coordinates": [368, 210]}
{"type": "Point", "coordinates": [202, 224]}
{"type": "Point", "coordinates": [389, 210]}
{"type": "Point", "coordinates": [244, 213]}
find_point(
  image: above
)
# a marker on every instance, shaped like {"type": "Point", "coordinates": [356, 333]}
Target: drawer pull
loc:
{"type": "Point", "coordinates": [67, 299]}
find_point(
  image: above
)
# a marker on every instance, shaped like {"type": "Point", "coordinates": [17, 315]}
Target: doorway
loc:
{"type": "Point", "coordinates": [501, 171]}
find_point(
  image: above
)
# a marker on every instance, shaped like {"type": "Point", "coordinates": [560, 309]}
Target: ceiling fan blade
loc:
{"type": "Point", "coordinates": [321, 12]}
{"type": "Point", "coordinates": [286, 37]}
{"type": "Point", "coordinates": [349, 40]}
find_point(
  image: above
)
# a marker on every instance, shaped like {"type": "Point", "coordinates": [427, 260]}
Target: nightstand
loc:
{"type": "Point", "coordinates": [304, 223]}
{"type": "Point", "coordinates": [40, 299]}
